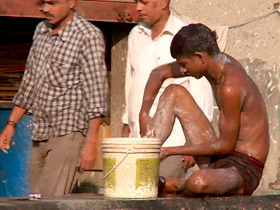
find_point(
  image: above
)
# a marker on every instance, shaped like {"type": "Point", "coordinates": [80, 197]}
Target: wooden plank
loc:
{"type": "Point", "coordinates": [9, 75]}
{"type": "Point", "coordinates": [9, 88]}
{"type": "Point", "coordinates": [8, 93]}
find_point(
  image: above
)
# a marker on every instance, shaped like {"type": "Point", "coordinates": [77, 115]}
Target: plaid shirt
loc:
{"type": "Point", "coordinates": [65, 83]}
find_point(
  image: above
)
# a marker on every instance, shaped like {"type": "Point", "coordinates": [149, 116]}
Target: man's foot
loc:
{"type": "Point", "coordinates": [161, 185]}
{"type": "Point", "coordinates": [169, 187]}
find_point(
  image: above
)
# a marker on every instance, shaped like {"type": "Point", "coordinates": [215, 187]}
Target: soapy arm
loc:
{"type": "Point", "coordinates": [155, 81]}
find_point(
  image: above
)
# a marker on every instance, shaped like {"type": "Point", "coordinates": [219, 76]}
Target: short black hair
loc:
{"type": "Point", "coordinates": [194, 38]}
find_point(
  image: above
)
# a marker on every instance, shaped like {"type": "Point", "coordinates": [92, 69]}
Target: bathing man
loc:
{"type": "Point", "coordinates": [231, 164]}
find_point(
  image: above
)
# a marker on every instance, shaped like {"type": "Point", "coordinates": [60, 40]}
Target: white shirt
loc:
{"type": "Point", "coordinates": [145, 54]}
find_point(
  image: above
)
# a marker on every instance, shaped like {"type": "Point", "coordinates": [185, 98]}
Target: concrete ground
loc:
{"type": "Point", "coordinates": [92, 201]}
{"type": "Point", "coordinates": [88, 195]}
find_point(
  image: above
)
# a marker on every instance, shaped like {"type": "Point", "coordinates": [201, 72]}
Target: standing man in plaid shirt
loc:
{"type": "Point", "coordinates": [65, 87]}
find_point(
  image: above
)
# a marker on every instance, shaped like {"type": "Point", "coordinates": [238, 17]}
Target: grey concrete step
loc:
{"type": "Point", "coordinates": [96, 202]}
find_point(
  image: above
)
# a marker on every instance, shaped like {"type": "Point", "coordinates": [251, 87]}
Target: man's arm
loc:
{"type": "Point", "coordinates": [24, 98]}
{"type": "Point", "coordinates": [156, 79]}
{"type": "Point", "coordinates": [95, 85]}
{"type": "Point", "coordinates": [229, 123]}
{"type": "Point", "coordinates": [125, 130]}
{"type": "Point", "coordinates": [9, 130]}
{"type": "Point", "coordinates": [88, 154]}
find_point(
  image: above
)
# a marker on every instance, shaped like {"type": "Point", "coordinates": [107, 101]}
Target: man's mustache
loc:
{"type": "Point", "coordinates": [49, 15]}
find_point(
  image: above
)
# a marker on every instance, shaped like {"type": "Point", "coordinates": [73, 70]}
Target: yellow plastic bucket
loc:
{"type": "Point", "coordinates": [131, 167]}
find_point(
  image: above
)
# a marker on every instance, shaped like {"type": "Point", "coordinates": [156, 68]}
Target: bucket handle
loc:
{"type": "Point", "coordinates": [115, 167]}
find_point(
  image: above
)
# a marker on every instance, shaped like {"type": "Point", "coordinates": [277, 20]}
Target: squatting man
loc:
{"type": "Point", "coordinates": [240, 151]}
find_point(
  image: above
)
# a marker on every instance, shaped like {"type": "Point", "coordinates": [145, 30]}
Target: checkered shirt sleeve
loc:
{"type": "Point", "coordinates": [94, 76]}
{"type": "Point", "coordinates": [25, 96]}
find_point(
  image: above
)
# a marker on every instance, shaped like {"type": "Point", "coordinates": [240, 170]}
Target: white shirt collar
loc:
{"type": "Point", "coordinates": [170, 27]}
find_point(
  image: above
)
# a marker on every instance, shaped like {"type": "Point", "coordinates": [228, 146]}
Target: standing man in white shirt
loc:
{"type": "Point", "coordinates": [149, 47]}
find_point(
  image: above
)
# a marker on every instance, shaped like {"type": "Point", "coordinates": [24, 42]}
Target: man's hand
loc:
{"type": "Point", "coordinates": [145, 125]}
{"type": "Point", "coordinates": [6, 138]}
{"type": "Point", "coordinates": [89, 150]}
{"type": "Point", "coordinates": [9, 130]}
{"type": "Point", "coordinates": [88, 156]}
{"type": "Point", "coordinates": [188, 161]}
{"type": "Point", "coordinates": [125, 131]}
{"type": "Point", "coordinates": [163, 153]}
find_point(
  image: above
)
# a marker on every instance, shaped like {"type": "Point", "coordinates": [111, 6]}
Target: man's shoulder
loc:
{"type": "Point", "coordinates": [41, 28]}
{"type": "Point", "coordinates": [41, 25]}
{"type": "Point", "coordinates": [138, 29]}
{"type": "Point", "coordinates": [85, 27]}
{"type": "Point", "coordinates": [177, 23]}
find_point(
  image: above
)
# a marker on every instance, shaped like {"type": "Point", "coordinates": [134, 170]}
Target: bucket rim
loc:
{"type": "Point", "coordinates": [131, 143]}
{"type": "Point", "coordinates": [131, 139]}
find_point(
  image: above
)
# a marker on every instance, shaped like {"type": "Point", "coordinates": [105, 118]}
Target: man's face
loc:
{"type": "Point", "coordinates": [149, 11]}
{"type": "Point", "coordinates": [190, 66]}
{"type": "Point", "coordinates": [55, 11]}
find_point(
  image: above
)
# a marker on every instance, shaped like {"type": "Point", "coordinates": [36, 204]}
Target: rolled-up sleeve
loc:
{"type": "Point", "coordinates": [25, 95]}
{"type": "Point", "coordinates": [94, 76]}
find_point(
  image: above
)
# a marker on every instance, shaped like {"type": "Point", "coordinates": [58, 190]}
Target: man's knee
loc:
{"type": "Point", "coordinates": [173, 91]}
{"type": "Point", "coordinates": [195, 185]}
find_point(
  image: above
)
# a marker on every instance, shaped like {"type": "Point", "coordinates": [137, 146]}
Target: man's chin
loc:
{"type": "Point", "coordinates": [197, 76]}
{"type": "Point", "coordinates": [51, 20]}
{"type": "Point", "coordinates": [145, 21]}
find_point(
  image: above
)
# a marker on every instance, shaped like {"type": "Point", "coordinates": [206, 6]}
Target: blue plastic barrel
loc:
{"type": "Point", "coordinates": [14, 166]}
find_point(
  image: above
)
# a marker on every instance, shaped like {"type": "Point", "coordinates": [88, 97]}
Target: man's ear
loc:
{"type": "Point", "coordinates": [73, 3]}
{"type": "Point", "coordinates": [199, 56]}
{"type": "Point", "coordinates": [165, 4]}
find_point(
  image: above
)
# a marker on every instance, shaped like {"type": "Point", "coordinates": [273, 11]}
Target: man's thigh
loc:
{"type": "Point", "coordinates": [61, 158]}
{"type": "Point", "coordinates": [37, 164]}
{"type": "Point", "coordinates": [220, 181]}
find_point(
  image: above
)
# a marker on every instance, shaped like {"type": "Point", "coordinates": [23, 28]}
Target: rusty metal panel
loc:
{"type": "Point", "coordinates": [94, 10]}
{"type": "Point", "coordinates": [123, 1]}
{"type": "Point", "coordinates": [108, 11]}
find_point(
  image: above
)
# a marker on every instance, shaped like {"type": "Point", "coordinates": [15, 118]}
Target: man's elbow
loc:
{"type": "Point", "coordinates": [157, 73]}
{"type": "Point", "coordinates": [227, 150]}
{"type": "Point", "coordinates": [162, 72]}
{"type": "Point", "coordinates": [224, 149]}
